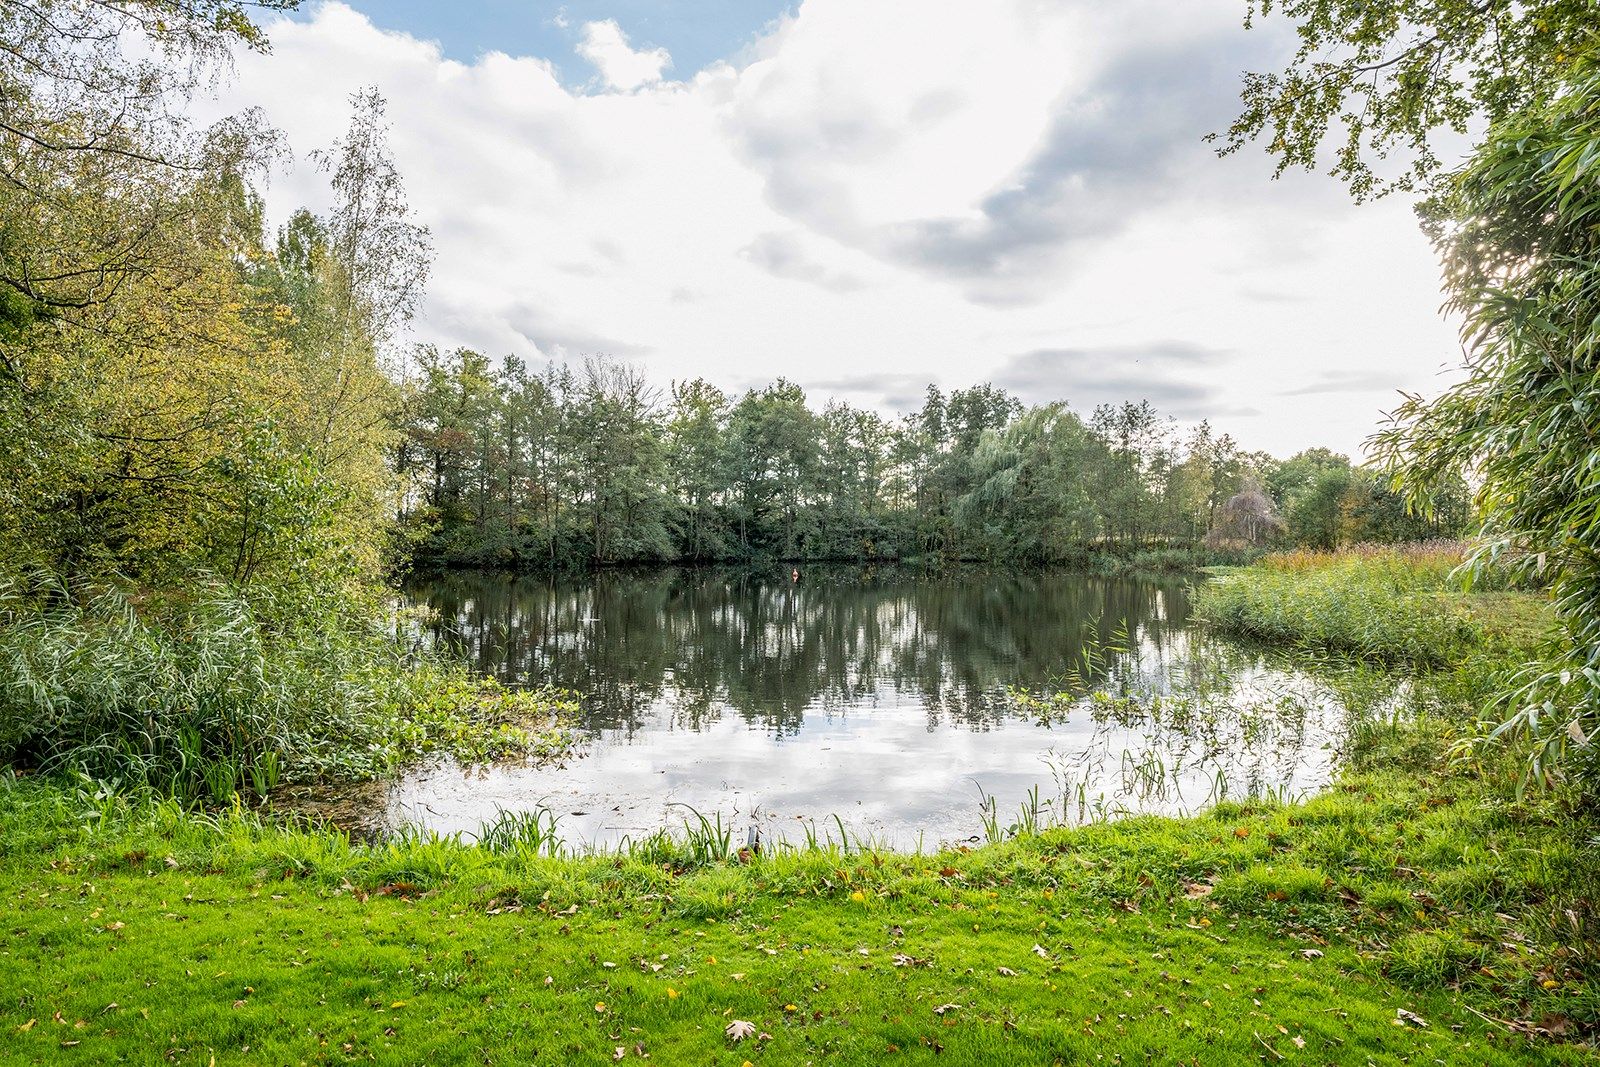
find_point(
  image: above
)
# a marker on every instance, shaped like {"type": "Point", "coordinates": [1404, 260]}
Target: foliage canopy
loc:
{"type": "Point", "coordinates": [1523, 269]}
{"type": "Point", "coordinates": [1374, 77]}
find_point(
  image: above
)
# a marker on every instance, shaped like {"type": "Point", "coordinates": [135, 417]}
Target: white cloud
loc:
{"type": "Point", "coordinates": [606, 46]}
{"type": "Point", "coordinates": [881, 192]}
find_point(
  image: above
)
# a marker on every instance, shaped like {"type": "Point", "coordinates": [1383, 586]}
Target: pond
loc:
{"type": "Point", "coordinates": [905, 707]}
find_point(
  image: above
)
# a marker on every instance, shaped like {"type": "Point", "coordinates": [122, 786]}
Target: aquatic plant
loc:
{"type": "Point", "coordinates": [212, 693]}
{"type": "Point", "coordinates": [534, 831]}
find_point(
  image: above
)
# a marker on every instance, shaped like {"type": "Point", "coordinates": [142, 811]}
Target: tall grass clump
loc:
{"type": "Point", "coordinates": [1395, 604]}
{"type": "Point", "coordinates": [207, 695]}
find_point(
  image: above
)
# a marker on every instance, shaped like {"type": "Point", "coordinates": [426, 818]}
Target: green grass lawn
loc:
{"type": "Point", "coordinates": [195, 968]}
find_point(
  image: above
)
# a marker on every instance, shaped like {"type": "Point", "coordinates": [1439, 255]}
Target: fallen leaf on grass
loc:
{"type": "Point", "coordinates": [1402, 1016]}
{"type": "Point", "coordinates": [620, 1053]}
{"type": "Point", "coordinates": [941, 1009]}
{"type": "Point", "coordinates": [1005, 972]}
{"type": "Point", "coordinates": [1041, 952]}
{"type": "Point", "coordinates": [1197, 890]}
{"type": "Point", "coordinates": [25, 1027]}
{"type": "Point", "coordinates": [738, 1030]}
{"type": "Point", "coordinates": [1311, 953]}
{"type": "Point", "coordinates": [1299, 1042]}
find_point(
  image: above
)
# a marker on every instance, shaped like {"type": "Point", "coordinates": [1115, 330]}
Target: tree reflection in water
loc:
{"type": "Point", "coordinates": [883, 695]}
{"type": "Point", "coordinates": [709, 642]}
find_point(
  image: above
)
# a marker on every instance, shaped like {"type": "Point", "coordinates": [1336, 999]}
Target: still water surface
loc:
{"type": "Point", "coordinates": [880, 696]}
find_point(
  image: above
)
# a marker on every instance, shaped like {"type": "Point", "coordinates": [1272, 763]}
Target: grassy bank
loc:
{"type": "Point", "coordinates": [1418, 911]}
{"type": "Point", "coordinates": [1318, 933]}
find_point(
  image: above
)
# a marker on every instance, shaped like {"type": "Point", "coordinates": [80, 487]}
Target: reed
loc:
{"type": "Point", "coordinates": [213, 694]}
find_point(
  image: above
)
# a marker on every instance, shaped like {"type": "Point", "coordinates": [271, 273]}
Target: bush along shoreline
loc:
{"type": "Point", "coordinates": [1425, 907]}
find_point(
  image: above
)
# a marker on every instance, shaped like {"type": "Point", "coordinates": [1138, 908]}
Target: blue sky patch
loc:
{"type": "Point", "coordinates": [695, 32]}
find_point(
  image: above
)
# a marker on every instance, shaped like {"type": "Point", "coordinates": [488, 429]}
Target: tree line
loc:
{"type": "Point", "coordinates": [589, 464]}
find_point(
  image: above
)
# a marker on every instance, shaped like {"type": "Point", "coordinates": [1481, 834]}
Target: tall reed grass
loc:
{"type": "Point", "coordinates": [210, 695]}
{"type": "Point", "coordinates": [1393, 603]}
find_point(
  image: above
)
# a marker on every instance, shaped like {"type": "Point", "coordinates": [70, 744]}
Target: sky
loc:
{"type": "Point", "coordinates": [868, 196]}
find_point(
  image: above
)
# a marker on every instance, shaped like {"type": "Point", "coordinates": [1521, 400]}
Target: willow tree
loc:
{"type": "Point", "coordinates": [1523, 271]}
{"type": "Point", "coordinates": [1379, 82]}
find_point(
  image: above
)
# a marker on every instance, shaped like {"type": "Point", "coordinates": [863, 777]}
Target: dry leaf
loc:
{"type": "Point", "coordinates": [1041, 952]}
{"type": "Point", "coordinates": [941, 1009]}
{"type": "Point", "coordinates": [1403, 1016]}
{"type": "Point", "coordinates": [1006, 972]}
{"type": "Point", "coordinates": [738, 1030]}
{"type": "Point", "coordinates": [1311, 953]}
